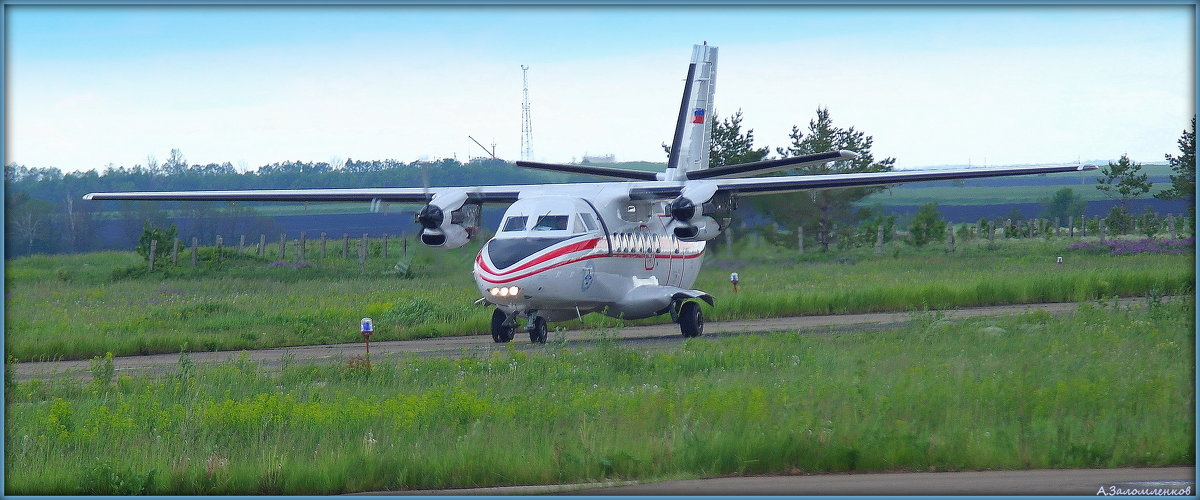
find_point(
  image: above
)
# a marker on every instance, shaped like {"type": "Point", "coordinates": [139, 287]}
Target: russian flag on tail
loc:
{"type": "Point", "coordinates": [698, 115]}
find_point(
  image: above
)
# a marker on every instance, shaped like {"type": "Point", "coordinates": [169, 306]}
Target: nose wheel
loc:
{"type": "Point", "coordinates": [503, 330]}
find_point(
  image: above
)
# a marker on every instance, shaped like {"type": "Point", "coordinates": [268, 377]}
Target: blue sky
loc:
{"type": "Point", "coordinates": [89, 86]}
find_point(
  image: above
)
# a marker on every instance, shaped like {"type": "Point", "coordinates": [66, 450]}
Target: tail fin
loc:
{"type": "Point", "coordinates": [693, 130]}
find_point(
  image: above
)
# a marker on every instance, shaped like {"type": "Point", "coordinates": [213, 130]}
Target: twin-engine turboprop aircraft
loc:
{"type": "Point", "coordinates": [629, 249]}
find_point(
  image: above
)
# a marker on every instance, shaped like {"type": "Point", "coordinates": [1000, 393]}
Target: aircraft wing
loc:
{"type": "Point", "coordinates": [790, 183]}
{"type": "Point", "coordinates": [482, 194]}
{"type": "Point", "coordinates": [645, 190]}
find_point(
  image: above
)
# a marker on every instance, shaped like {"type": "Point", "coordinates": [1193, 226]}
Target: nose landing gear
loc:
{"type": "Point", "coordinates": [504, 328]}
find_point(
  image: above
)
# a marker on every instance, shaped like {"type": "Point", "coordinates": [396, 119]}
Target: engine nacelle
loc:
{"type": "Point", "coordinates": [447, 236]}
{"type": "Point", "coordinates": [702, 228]}
{"type": "Point", "coordinates": [449, 232]}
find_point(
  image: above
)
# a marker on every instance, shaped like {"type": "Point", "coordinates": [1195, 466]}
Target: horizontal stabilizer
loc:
{"type": "Point", "coordinates": [614, 173]}
{"type": "Point", "coordinates": [762, 167]}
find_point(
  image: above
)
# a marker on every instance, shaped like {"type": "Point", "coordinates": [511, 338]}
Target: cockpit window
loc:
{"type": "Point", "coordinates": [589, 222]}
{"type": "Point", "coordinates": [551, 223]}
{"type": "Point", "coordinates": [515, 223]}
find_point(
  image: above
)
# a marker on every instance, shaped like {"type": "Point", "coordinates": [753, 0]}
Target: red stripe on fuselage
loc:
{"type": "Point", "coordinates": [586, 257]}
{"type": "Point", "coordinates": [550, 254]}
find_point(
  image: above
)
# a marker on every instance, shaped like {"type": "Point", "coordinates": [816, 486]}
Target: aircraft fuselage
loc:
{"type": "Point", "coordinates": [568, 256]}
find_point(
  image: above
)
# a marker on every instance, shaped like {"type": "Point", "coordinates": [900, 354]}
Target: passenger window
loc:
{"type": "Point", "coordinates": [515, 223]}
{"type": "Point", "coordinates": [551, 223]}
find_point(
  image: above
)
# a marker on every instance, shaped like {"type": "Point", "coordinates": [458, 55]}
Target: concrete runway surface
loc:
{"type": "Point", "coordinates": [647, 337]}
{"type": "Point", "coordinates": [1178, 480]}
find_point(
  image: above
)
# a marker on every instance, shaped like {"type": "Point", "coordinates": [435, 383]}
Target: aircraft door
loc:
{"type": "Point", "coordinates": [674, 264]}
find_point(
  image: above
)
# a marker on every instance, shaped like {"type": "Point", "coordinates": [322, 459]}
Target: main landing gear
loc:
{"type": "Point", "coordinates": [537, 328]}
{"type": "Point", "coordinates": [690, 318]}
{"type": "Point", "coordinates": [504, 327]}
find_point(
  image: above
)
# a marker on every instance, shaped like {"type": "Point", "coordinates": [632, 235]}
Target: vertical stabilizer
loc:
{"type": "Point", "coordinates": [693, 130]}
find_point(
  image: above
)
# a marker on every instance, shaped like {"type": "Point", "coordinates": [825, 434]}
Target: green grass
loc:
{"type": "Point", "coordinates": [80, 306]}
{"type": "Point", "coordinates": [1103, 387]}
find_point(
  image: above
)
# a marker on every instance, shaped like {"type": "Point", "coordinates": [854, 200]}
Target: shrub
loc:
{"type": "Point", "coordinates": [102, 369]}
{"type": "Point", "coordinates": [164, 236]}
{"type": "Point", "coordinates": [927, 226]}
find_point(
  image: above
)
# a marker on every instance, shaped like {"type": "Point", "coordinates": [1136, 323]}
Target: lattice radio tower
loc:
{"type": "Point", "coordinates": [526, 126]}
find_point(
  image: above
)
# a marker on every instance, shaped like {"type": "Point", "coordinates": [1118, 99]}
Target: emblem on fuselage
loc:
{"type": "Point", "coordinates": [588, 275]}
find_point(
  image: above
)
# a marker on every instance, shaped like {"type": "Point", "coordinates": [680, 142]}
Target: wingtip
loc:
{"type": "Point", "coordinates": [88, 196]}
{"type": "Point", "coordinates": [845, 153]}
{"type": "Point", "coordinates": [1087, 167]}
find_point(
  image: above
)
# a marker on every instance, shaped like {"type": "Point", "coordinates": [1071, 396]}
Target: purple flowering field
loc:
{"type": "Point", "coordinates": [1132, 247]}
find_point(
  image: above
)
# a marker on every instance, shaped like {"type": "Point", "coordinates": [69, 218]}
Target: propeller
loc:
{"type": "Point", "coordinates": [681, 209]}
{"type": "Point", "coordinates": [431, 217]}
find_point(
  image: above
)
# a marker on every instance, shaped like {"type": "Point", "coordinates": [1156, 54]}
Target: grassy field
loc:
{"type": "Point", "coordinates": [1103, 387]}
{"type": "Point", "coordinates": [80, 306]}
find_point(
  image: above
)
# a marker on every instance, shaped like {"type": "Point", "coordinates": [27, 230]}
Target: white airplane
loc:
{"type": "Point", "coordinates": [629, 249]}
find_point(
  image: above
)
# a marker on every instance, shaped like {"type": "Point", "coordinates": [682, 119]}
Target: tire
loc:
{"type": "Point", "coordinates": [501, 333]}
{"type": "Point", "coordinates": [538, 334]}
{"type": "Point", "coordinates": [691, 320]}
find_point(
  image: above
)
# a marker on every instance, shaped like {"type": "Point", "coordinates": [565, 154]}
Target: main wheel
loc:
{"type": "Point", "coordinates": [691, 320]}
{"type": "Point", "coordinates": [501, 332]}
{"type": "Point", "coordinates": [537, 335]}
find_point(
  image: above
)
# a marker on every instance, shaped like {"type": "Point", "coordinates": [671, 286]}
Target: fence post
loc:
{"type": "Point", "coordinates": [1082, 225]}
{"type": "Point", "coordinates": [1171, 224]}
{"type": "Point", "coordinates": [242, 244]}
{"type": "Point", "coordinates": [195, 243]}
{"type": "Point", "coordinates": [405, 239]}
{"type": "Point", "coordinates": [303, 248]}
{"type": "Point", "coordinates": [262, 245]}
{"type": "Point", "coordinates": [991, 224]}
{"type": "Point", "coordinates": [218, 249]}
{"type": "Point", "coordinates": [949, 238]}
{"type": "Point", "coordinates": [282, 246]}
{"type": "Point", "coordinates": [879, 239]}
{"type": "Point", "coordinates": [1103, 231]}
{"type": "Point", "coordinates": [1071, 226]}
{"type": "Point", "coordinates": [345, 245]}
{"type": "Point", "coordinates": [153, 250]}
{"type": "Point", "coordinates": [385, 242]}
{"type": "Point", "coordinates": [1057, 228]}
{"type": "Point", "coordinates": [362, 254]}
{"type": "Point", "coordinates": [175, 253]}
{"type": "Point", "coordinates": [323, 240]}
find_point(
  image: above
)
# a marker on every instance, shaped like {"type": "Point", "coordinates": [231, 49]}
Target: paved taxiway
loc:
{"type": "Point", "coordinates": [1180, 480]}
{"type": "Point", "coordinates": [648, 337]}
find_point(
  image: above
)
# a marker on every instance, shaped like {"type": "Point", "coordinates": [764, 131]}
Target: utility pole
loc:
{"type": "Point", "coordinates": [526, 126]}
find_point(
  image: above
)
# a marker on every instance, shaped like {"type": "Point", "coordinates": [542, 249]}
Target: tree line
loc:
{"type": "Point", "coordinates": [45, 212]}
{"type": "Point", "coordinates": [822, 211]}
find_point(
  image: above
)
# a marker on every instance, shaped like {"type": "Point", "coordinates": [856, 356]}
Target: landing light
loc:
{"type": "Point", "coordinates": [504, 291]}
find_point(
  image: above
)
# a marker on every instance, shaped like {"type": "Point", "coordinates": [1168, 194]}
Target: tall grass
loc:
{"type": "Point", "coordinates": [81, 306]}
{"type": "Point", "coordinates": [1102, 387]}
